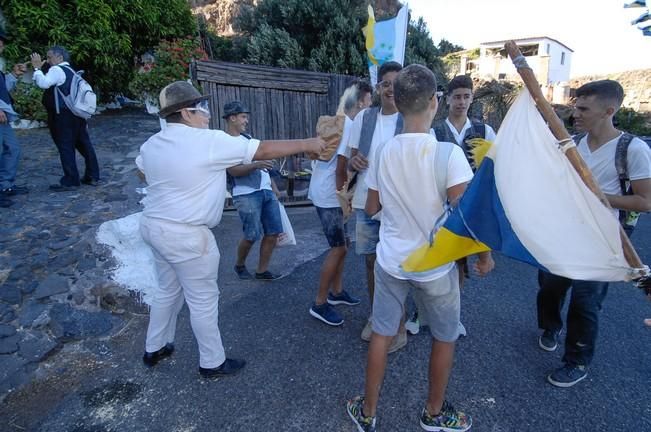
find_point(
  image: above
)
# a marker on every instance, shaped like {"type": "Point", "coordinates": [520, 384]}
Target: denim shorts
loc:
{"type": "Point", "coordinates": [260, 214]}
{"type": "Point", "coordinates": [332, 221]}
{"type": "Point", "coordinates": [438, 303]}
{"type": "Point", "coordinates": [367, 233]}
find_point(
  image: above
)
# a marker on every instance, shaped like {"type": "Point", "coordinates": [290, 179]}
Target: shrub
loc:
{"type": "Point", "coordinates": [103, 36]}
{"type": "Point", "coordinates": [629, 120]}
{"type": "Point", "coordinates": [27, 102]}
{"type": "Point", "coordinates": [172, 63]}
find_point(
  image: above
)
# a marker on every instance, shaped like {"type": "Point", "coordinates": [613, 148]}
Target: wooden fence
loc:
{"type": "Point", "coordinates": [284, 104]}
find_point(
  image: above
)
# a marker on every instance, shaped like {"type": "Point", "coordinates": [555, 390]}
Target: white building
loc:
{"type": "Point", "coordinates": [550, 60]}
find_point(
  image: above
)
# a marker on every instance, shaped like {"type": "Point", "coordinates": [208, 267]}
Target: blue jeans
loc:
{"type": "Point", "coordinates": [582, 316]}
{"type": "Point", "coordinates": [260, 214]}
{"type": "Point", "coordinates": [9, 156]}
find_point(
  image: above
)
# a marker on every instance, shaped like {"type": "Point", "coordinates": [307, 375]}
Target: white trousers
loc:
{"type": "Point", "coordinates": [187, 263]}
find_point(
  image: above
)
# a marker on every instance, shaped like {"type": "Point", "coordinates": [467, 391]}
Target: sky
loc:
{"type": "Point", "coordinates": [598, 31]}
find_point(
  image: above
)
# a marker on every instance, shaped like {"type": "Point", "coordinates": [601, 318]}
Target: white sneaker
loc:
{"type": "Point", "coordinates": [413, 326]}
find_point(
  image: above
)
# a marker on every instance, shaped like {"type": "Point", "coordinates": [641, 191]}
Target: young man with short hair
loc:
{"type": "Point", "coordinates": [402, 182]}
{"type": "Point", "coordinates": [596, 105]}
{"type": "Point", "coordinates": [255, 198]}
{"type": "Point", "coordinates": [372, 128]}
{"type": "Point", "coordinates": [323, 193]}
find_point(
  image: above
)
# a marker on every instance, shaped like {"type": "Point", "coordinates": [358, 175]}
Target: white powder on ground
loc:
{"type": "Point", "coordinates": [136, 269]}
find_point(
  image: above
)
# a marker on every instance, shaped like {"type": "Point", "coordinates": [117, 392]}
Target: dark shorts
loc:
{"type": "Point", "coordinates": [332, 221]}
{"type": "Point", "coordinates": [260, 214]}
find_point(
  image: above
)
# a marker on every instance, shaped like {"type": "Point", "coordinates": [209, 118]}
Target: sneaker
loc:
{"type": "Point", "coordinates": [342, 298]}
{"type": "Point", "coordinates": [242, 272]}
{"type": "Point", "coordinates": [354, 409]}
{"type": "Point", "coordinates": [548, 340]}
{"type": "Point", "coordinates": [567, 375]}
{"type": "Point", "coordinates": [15, 190]}
{"type": "Point", "coordinates": [152, 359]}
{"type": "Point", "coordinates": [327, 314]}
{"type": "Point", "coordinates": [399, 341]}
{"type": "Point", "coordinates": [266, 276]}
{"type": "Point", "coordinates": [448, 420]}
{"type": "Point", "coordinates": [367, 331]}
{"type": "Point", "coordinates": [413, 325]}
{"type": "Point", "coordinates": [462, 330]}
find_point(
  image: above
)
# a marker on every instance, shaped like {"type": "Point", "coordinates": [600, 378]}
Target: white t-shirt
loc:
{"type": "Point", "coordinates": [185, 168]}
{"type": "Point", "coordinates": [404, 177]}
{"type": "Point", "coordinates": [323, 185]}
{"type": "Point", "coordinates": [385, 128]}
{"type": "Point", "coordinates": [602, 163]}
{"type": "Point", "coordinates": [265, 179]}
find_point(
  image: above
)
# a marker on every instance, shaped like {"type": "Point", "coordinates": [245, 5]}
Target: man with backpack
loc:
{"type": "Point", "coordinates": [67, 125]}
{"type": "Point", "coordinates": [621, 165]}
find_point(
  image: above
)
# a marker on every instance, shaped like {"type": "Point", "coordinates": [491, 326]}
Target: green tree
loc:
{"type": "Point", "coordinates": [103, 36]}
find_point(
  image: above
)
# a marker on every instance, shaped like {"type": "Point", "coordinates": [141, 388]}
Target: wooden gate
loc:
{"type": "Point", "coordinates": [284, 104]}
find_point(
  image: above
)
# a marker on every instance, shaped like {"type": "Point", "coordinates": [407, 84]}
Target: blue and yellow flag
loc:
{"type": "Point", "coordinates": [385, 40]}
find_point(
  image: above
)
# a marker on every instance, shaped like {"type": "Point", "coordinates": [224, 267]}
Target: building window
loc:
{"type": "Point", "coordinates": [563, 58]}
{"type": "Point", "coordinates": [501, 76]}
{"type": "Point", "coordinates": [548, 48]}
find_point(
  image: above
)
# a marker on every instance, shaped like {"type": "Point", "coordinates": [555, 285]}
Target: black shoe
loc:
{"type": "Point", "coordinates": [243, 273]}
{"type": "Point", "coordinates": [266, 276]}
{"type": "Point", "coordinates": [229, 367]}
{"type": "Point", "coordinates": [15, 190]}
{"type": "Point", "coordinates": [62, 188]}
{"type": "Point", "coordinates": [151, 359]}
{"type": "Point", "coordinates": [548, 340]}
{"type": "Point", "coordinates": [89, 181]}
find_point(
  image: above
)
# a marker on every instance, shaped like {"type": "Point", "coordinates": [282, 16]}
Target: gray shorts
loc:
{"type": "Point", "coordinates": [438, 300]}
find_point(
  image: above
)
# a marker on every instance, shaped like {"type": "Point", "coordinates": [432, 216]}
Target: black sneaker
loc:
{"type": "Point", "coordinates": [266, 276]}
{"type": "Point", "coordinates": [229, 367]}
{"type": "Point", "coordinates": [567, 375]}
{"type": "Point", "coordinates": [548, 340]}
{"type": "Point", "coordinates": [242, 272]}
{"type": "Point", "coordinates": [151, 359]}
{"type": "Point", "coordinates": [14, 190]}
{"type": "Point", "coordinates": [62, 188]}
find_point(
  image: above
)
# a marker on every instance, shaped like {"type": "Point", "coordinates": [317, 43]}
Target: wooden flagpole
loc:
{"type": "Point", "coordinates": [558, 129]}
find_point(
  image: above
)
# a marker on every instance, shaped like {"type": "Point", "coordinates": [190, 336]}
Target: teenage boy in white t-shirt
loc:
{"type": "Point", "coordinates": [403, 185]}
{"type": "Point", "coordinates": [323, 194]}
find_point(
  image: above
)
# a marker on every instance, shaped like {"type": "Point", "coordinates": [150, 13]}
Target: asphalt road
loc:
{"type": "Point", "coordinates": [300, 372]}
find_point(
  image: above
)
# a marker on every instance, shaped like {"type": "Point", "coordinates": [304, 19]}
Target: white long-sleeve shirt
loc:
{"type": "Point", "coordinates": [54, 77]}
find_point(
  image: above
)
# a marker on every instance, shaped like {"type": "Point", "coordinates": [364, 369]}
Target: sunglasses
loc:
{"type": "Point", "coordinates": [202, 107]}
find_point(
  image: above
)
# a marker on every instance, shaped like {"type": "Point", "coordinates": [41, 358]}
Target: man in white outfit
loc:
{"type": "Point", "coordinates": [185, 166]}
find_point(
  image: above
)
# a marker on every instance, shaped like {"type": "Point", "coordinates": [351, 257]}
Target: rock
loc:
{"type": "Point", "coordinates": [79, 297]}
{"type": "Point", "coordinates": [7, 313]}
{"type": "Point", "coordinates": [86, 263]}
{"type": "Point", "coordinates": [31, 312]}
{"type": "Point", "coordinates": [11, 372]}
{"type": "Point", "coordinates": [64, 259]}
{"type": "Point", "coordinates": [52, 285]}
{"type": "Point", "coordinates": [29, 288]}
{"type": "Point", "coordinates": [36, 346]}
{"type": "Point", "coordinates": [6, 330]}
{"type": "Point", "coordinates": [114, 198]}
{"type": "Point", "coordinates": [10, 294]}
{"type": "Point", "coordinates": [68, 323]}
{"type": "Point", "coordinates": [9, 344]}
{"type": "Point", "coordinates": [63, 243]}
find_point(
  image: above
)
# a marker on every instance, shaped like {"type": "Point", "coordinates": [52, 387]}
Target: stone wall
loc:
{"type": "Point", "coordinates": [637, 87]}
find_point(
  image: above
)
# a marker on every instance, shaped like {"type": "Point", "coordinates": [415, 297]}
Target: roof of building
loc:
{"type": "Point", "coordinates": [525, 40]}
